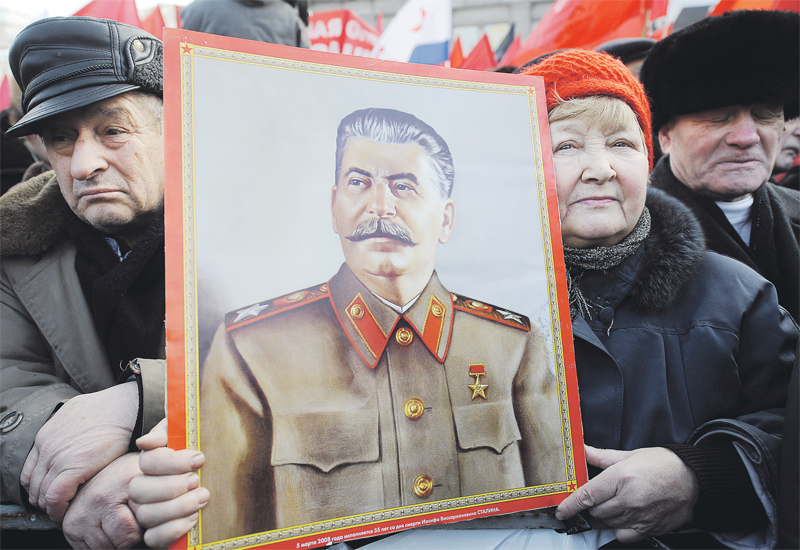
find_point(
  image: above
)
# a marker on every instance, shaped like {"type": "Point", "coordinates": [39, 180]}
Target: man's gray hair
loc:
{"type": "Point", "coordinates": [396, 127]}
{"type": "Point", "coordinates": [152, 103]}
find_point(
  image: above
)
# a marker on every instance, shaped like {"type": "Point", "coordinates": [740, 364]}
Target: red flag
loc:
{"type": "Point", "coordinates": [154, 23]}
{"type": "Point", "coordinates": [341, 31]}
{"type": "Point", "coordinates": [5, 94]}
{"type": "Point", "coordinates": [481, 58]}
{"type": "Point", "coordinates": [787, 5]}
{"type": "Point", "coordinates": [123, 11]}
{"type": "Point", "coordinates": [731, 5]}
{"type": "Point", "coordinates": [584, 24]}
{"type": "Point", "coordinates": [511, 52]}
{"type": "Point", "coordinates": [657, 24]}
{"type": "Point", "coordinates": [457, 54]}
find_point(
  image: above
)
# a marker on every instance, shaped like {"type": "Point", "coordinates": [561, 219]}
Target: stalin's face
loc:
{"type": "Point", "coordinates": [388, 211]}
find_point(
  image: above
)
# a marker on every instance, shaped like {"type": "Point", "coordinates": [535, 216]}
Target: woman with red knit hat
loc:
{"type": "Point", "coordinates": [680, 352]}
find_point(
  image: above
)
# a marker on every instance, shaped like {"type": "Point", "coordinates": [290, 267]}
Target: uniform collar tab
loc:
{"type": "Point", "coordinates": [370, 324]}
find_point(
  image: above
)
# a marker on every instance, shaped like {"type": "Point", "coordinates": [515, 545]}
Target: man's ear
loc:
{"type": "Point", "coordinates": [664, 139]}
{"type": "Point", "coordinates": [448, 221]}
{"type": "Point", "coordinates": [333, 215]}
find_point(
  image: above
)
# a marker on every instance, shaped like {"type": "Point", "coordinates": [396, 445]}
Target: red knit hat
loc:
{"type": "Point", "coordinates": [574, 74]}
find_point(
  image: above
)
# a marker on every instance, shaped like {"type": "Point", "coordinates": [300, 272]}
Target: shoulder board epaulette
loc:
{"type": "Point", "coordinates": [494, 313]}
{"type": "Point", "coordinates": [251, 314]}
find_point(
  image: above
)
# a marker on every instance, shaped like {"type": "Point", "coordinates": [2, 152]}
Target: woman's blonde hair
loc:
{"type": "Point", "coordinates": [609, 114]}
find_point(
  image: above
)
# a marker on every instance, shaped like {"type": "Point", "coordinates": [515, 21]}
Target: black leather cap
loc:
{"type": "Point", "coordinates": [62, 63]}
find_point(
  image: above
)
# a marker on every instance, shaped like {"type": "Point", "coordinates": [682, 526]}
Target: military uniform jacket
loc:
{"type": "Point", "coordinates": [327, 403]}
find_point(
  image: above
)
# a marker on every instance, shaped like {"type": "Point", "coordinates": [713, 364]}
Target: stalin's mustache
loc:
{"type": "Point", "coordinates": [381, 228]}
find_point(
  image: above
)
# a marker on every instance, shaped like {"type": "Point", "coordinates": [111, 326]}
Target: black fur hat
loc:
{"type": "Point", "coordinates": [740, 58]}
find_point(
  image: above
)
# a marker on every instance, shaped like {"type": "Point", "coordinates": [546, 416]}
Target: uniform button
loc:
{"type": "Point", "coordinates": [414, 408]}
{"type": "Point", "coordinates": [437, 310]}
{"type": "Point", "coordinates": [404, 336]}
{"type": "Point", "coordinates": [10, 421]}
{"type": "Point", "coordinates": [423, 486]}
{"type": "Point", "coordinates": [606, 315]}
{"type": "Point", "coordinates": [356, 311]}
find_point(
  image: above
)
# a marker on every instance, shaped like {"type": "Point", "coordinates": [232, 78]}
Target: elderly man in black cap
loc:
{"type": "Point", "coordinates": [82, 276]}
{"type": "Point", "coordinates": [720, 92]}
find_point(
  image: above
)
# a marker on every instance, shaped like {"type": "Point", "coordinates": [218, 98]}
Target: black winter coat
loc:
{"type": "Point", "coordinates": [774, 250]}
{"type": "Point", "coordinates": [688, 345]}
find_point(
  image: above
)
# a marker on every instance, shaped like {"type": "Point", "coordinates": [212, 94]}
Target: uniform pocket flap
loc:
{"type": "Point", "coordinates": [491, 425]}
{"type": "Point", "coordinates": [326, 439]}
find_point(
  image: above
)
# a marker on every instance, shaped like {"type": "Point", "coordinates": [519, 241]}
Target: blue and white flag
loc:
{"type": "Point", "coordinates": [419, 33]}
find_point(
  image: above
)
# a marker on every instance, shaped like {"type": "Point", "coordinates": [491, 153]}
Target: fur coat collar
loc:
{"type": "Point", "coordinates": [32, 217]}
{"type": "Point", "coordinates": [669, 257]}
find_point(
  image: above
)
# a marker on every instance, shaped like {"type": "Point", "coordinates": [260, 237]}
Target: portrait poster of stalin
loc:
{"type": "Point", "coordinates": [374, 313]}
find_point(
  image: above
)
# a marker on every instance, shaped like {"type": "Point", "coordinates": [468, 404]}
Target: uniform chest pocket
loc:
{"type": "Point", "coordinates": [489, 425]}
{"type": "Point", "coordinates": [326, 440]}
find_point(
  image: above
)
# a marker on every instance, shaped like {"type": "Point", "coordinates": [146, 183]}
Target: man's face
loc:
{"type": "Point", "coordinates": [724, 154]}
{"type": "Point", "coordinates": [109, 160]}
{"type": "Point", "coordinates": [387, 209]}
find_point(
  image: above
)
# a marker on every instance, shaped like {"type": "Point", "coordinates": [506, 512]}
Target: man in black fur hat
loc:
{"type": "Point", "coordinates": [82, 276]}
{"type": "Point", "coordinates": [720, 91]}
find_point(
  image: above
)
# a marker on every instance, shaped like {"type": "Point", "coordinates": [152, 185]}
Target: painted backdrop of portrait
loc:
{"type": "Point", "coordinates": [319, 400]}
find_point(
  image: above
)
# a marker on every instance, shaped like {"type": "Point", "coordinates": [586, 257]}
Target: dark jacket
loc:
{"type": "Point", "coordinates": [774, 250]}
{"type": "Point", "coordinates": [50, 350]}
{"type": "Point", "coordinates": [788, 501]}
{"type": "Point", "coordinates": [272, 21]}
{"type": "Point", "coordinates": [688, 345]}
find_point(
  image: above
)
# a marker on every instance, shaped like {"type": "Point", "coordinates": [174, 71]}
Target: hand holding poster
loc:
{"type": "Point", "coordinates": [337, 234]}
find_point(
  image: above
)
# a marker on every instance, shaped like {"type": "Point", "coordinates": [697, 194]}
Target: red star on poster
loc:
{"type": "Point", "coordinates": [187, 48]}
{"type": "Point", "coordinates": [531, 91]}
{"type": "Point", "coordinates": [571, 486]}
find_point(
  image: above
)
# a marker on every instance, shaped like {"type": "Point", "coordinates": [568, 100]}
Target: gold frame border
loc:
{"type": "Point", "coordinates": [190, 293]}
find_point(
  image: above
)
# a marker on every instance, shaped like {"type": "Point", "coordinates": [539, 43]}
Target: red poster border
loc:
{"type": "Point", "coordinates": [175, 313]}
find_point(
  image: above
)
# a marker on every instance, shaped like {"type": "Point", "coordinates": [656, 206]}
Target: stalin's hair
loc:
{"type": "Point", "coordinates": [396, 127]}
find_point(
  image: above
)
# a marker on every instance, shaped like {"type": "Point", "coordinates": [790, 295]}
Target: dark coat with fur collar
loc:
{"type": "Point", "coordinates": [688, 345]}
{"type": "Point", "coordinates": [774, 250]}
{"type": "Point", "coordinates": [50, 350]}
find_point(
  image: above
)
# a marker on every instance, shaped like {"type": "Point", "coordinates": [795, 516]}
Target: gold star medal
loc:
{"type": "Point", "coordinates": [477, 388]}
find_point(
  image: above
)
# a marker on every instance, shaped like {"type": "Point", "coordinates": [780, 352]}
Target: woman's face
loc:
{"type": "Point", "coordinates": [601, 181]}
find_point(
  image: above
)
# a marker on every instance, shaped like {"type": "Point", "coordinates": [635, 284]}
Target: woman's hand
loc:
{"type": "Point", "coordinates": [640, 493]}
{"type": "Point", "coordinates": [166, 498]}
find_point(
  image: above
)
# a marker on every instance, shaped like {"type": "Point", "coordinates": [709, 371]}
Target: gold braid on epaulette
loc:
{"type": "Point", "coordinates": [488, 311]}
{"type": "Point", "coordinates": [262, 310]}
